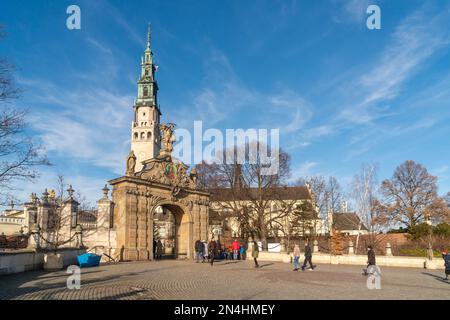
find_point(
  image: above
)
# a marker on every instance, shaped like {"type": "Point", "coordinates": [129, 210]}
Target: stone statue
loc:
{"type": "Point", "coordinates": [131, 163]}
{"type": "Point", "coordinates": [168, 138]}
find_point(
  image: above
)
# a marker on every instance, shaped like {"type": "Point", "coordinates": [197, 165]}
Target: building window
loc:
{"type": "Point", "coordinates": [145, 91]}
{"type": "Point", "coordinates": [136, 136]}
{"type": "Point", "coordinates": [149, 135]}
{"type": "Point", "coordinates": [142, 135]}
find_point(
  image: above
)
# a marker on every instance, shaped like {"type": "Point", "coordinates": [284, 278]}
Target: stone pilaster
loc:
{"type": "Point", "coordinates": [30, 213]}
{"type": "Point", "coordinates": [131, 252]}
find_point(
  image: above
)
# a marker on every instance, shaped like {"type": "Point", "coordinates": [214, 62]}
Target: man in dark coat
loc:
{"type": "Point", "coordinates": [212, 248]}
{"type": "Point", "coordinates": [308, 257]}
{"type": "Point", "coordinates": [159, 249]}
{"type": "Point", "coordinates": [371, 261]}
{"type": "Point", "coordinates": [198, 251]}
{"type": "Point", "coordinates": [446, 258]}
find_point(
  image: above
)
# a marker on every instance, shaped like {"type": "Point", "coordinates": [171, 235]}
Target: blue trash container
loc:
{"type": "Point", "coordinates": [88, 260]}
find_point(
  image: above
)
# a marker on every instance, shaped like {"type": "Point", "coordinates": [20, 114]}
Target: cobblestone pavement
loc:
{"type": "Point", "coordinates": [169, 279]}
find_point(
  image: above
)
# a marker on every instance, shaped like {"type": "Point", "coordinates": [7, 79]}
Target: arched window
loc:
{"type": "Point", "coordinates": [142, 135]}
{"type": "Point", "coordinates": [145, 91]}
{"type": "Point", "coordinates": [149, 135]}
{"type": "Point", "coordinates": [136, 136]}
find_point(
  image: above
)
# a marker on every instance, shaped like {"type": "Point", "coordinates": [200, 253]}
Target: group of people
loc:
{"type": "Point", "coordinates": [308, 257]}
{"type": "Point", "coordinates": [208, 251]}
{"type": "Point", "coordinates": [157, 249]}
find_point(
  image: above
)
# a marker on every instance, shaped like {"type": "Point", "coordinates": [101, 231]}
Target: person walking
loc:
{"type": "Point", "coordinates": [212, 250]}
{"type": "Point", "coordinates": [255, 253]}
{"type": "Point", "coordinates": [159, 249]}
{"type": "Point", "coordinates": [446, 258]}
{"type": "Point", "coordinates": [371, 261]}
{"type": "Point", "coordinates": [205, 251]}
{"type": "Point", "coordinates": [296, 257]}
{"type": "Point", "coordinates": [198, 251]}
{"type": "Point", "coordinates": [308, 257]}
{"type": "Point", "coordinates": [235, 247]}
{"type": "Point", "coordinates": [242, 252]}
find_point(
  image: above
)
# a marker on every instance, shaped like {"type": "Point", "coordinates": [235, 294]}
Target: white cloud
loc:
{"type": "Point", "coordinates": [303, 170]}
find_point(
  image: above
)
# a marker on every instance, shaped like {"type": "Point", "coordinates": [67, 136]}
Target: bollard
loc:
{"type": "Point", "coordinates": [388, 249]}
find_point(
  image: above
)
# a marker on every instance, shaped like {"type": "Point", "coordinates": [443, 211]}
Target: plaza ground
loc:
{"type": "Point", "coordinates": [170, 279]}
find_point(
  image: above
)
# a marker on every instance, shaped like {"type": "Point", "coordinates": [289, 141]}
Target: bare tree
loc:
{"type": "Point", "coordinates": [19, 155]}
{"type": "Point", "coordinates": [410, 196]}
{"type": "Point", "coordinates": [365, 197]}
{"type": "Point", "coordinates": [334, 195]}
{"type": "Point", "coordinates": [250, 193]}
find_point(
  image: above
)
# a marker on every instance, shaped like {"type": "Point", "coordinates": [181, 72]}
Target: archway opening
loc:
{"type": "Point", "coordinates": [170, 232]}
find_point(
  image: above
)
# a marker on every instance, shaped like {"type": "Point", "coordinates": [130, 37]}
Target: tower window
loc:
{"type": "Point", "coordinates": [142, 135]}
{"type": "Point", "coordinates": [145, 91]}
{"type": "Point", "coordinates": [136, 136]}
{"type": "Point", "coordinates": [146, 72]}
{"type": "Point", "coordinates": [149, 135]}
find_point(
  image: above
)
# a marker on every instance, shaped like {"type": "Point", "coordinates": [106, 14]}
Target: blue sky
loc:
{"type": "Point", "coordinates": [340, 93]}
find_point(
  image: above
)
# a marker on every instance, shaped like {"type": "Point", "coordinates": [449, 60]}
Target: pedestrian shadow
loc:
{"type": "Point", "coordinates": [436, 277]}
{"type": "Point", "coordinates": [265, 265]}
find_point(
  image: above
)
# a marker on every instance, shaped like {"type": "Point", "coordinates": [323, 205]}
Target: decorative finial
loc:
{"type": "Point", "coordinates": [105, 192]}
{"type": "Point", "coordinates": [70, 191]}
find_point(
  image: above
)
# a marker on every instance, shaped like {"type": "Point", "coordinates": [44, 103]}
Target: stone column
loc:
{"type": "Point", "coordinates": [388, 249]}
{"type": "Point", "coordinates": [351, 249]}
{"type": "Point", "coordinates": [196, 216]}
{"type": "Point", "coordinates": [190, 242]}
{"type": "Point", "coordinates": [30, 213]}
{"type": "Point", "coordinates": [104, 221]}
{"type": "Point", "coordinates": [43, 218]}
{"type": "Point", "coordinates": [34, 239]}
{"type": "Point", "coordinates": [204, 223]}
{"type": "Point", "coordinates": [131, 236]}
{"type": "Point", "coordinates": [143, 250]}
{"type": "Point", "coordinates": [79, 236]}
{"type": "Point", "coordinates": [69, 218]}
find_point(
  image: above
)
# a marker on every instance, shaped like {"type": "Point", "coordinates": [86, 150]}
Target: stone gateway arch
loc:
{"type": "Point", "coordinates": [162, 182]}
{"type": "Point", "coordinates": [154, 179]}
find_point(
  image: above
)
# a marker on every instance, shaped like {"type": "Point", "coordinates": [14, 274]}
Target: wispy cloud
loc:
{"type": "Point", "coordinates": [305, 169]}
{"type": "Point", "coordinates": [415, 40]}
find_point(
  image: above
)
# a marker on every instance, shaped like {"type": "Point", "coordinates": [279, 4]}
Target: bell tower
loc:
{"type": "Point", "coordinates": [145, 139]}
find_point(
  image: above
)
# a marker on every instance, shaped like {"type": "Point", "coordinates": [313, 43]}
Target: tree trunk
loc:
{"type": "Point", "coordinates": [357, 239]}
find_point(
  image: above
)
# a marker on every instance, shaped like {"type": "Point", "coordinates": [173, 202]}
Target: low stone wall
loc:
{"type": "Point", "coordinates": [361, 260]}
{"type": "Point", "coordinates": [25, 260]}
